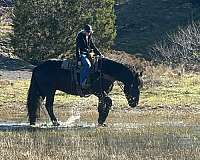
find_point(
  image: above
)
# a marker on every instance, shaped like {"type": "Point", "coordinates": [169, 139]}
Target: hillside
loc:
{"type": "Point", "coordinates": [140, 23]}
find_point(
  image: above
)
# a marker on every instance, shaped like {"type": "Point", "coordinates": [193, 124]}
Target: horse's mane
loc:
{"type": "Point", "coordinates": [123, 65]}
{"type": "Point", "coordinates": [119, 70]}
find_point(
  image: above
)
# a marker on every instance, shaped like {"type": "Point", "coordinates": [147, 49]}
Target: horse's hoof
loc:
{"type": "Point", "coordinates": [102, 125]}
{"type": "Point", "coordinates": [33, 126]}
{"type": "Point", "coordinates": [55, 123]}
{"type": "Point", "coordinates": [32, 123]}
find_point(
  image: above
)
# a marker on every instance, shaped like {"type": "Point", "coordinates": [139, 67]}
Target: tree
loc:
{"type": "Point", "coordinates": [101, 15]}
{"type": "Point", "coordinates": [47, 28]}
{"type": "Point", "coordinates": [195, 3]}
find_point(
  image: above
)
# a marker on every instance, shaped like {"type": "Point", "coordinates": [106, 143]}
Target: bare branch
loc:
{"type": "Point", "coordinates": [180, 48]}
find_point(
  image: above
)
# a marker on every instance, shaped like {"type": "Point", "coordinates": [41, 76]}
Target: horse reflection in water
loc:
{"type": "Point", "coordinates": [49, 77]}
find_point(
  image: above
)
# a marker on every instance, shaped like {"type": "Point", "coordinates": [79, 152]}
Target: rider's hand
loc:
{"type": "Point", "coordinates": [79, 63]}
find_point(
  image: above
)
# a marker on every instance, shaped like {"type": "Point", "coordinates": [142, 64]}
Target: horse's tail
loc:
{"type": "Point", "coordinates": [34, 99]}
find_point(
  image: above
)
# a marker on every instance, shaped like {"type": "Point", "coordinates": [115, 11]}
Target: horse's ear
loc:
{"type": "Point", "coordinates": [139, 74]}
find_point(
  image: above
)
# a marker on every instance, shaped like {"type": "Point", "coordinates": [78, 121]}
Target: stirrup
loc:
{"type": "Point", "coordinates": [80, 91]}
{"type": "Point", "coordinates": [85, 86]}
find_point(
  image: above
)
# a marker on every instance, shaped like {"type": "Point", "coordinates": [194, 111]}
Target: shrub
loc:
{"type": "Point", "coordinates": [180, 48]}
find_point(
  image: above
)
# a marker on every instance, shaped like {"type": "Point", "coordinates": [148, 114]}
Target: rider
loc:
{"type": "Point", "coordinates": [84, 44]}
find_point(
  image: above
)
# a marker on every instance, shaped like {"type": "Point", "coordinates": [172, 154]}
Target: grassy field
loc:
{"type": "Point", "coordinates": [165, 125]}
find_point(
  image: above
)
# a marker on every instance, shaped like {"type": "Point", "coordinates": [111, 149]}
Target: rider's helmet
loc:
{"type": "Point", "coordinates": [88, 28]}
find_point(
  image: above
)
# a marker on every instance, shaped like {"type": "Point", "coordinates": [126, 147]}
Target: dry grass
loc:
{"type": "Point", "coordinates": [165, 125]}
{"type": "Point", "coordinates": [100, 143]}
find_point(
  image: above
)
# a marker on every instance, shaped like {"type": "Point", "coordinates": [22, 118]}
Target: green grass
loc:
{"type": "Point", "coordinates": [174, 91]}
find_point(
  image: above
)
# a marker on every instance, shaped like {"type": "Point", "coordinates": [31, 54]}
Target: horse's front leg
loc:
{"type": "Point", "coordinates": [49, 107]}
{"type": "Point", "coordinates": [104, 107]}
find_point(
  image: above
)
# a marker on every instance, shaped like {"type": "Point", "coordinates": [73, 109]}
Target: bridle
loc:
{"type": "Point", "coordinates": [129, 97]}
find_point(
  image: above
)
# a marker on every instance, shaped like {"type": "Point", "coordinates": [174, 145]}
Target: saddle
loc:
{"type": "Point", "coordinates": [74, 68]}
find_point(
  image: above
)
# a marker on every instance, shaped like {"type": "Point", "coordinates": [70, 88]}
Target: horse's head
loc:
{"type": "Point", "coordinates": [132, 90]}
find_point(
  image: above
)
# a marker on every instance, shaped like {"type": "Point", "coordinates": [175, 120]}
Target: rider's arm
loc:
{"type": "Point", "coordinates": [78, 54]}
{"type": "Point", "coordinates": [96, 51]}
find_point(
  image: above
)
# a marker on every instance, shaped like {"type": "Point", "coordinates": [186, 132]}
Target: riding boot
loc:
{"type": "Point", "coordinates": [84, 85]}
{"type": "Point", "coordinates": [80, 91]}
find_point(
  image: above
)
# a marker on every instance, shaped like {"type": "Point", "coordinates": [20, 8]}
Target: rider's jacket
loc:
{"type": "Point", "coordinates": [83, 46]}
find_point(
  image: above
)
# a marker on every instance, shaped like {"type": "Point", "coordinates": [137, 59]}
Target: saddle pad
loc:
{"type": "Point", "coordinates": [68, 64]}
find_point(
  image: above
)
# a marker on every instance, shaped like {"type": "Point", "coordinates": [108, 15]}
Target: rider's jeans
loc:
{"type": "Point", "coordinates": [85, 69]}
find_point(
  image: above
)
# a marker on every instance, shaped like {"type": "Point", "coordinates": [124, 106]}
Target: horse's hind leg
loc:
{"type": "Point", "coordinates": [49, 107]}
{"type": "Point", "coordinates": [104, 106]}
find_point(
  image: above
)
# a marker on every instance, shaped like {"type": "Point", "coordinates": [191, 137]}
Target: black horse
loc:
{"type": "Point", "coordinates": [49, 77]}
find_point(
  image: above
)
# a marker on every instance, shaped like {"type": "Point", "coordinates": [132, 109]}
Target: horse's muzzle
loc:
{"type": "Point", "coordinates": [132, 102]}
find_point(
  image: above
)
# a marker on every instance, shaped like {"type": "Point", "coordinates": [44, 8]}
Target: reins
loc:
{"type": "Point", "coordinates": [100, 76]}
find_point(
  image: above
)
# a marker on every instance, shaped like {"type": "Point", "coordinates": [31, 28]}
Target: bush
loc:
{"type": "Point", "coordinates": [47, 28]}
{"type": "Point", "coordinates": [181, 48]}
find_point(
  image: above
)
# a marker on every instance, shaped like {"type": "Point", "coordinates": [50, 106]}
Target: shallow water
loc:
{"type": "Point", "coordinates": [75, 139]}
{"type": "Point", "coordinates": [74, 122]}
